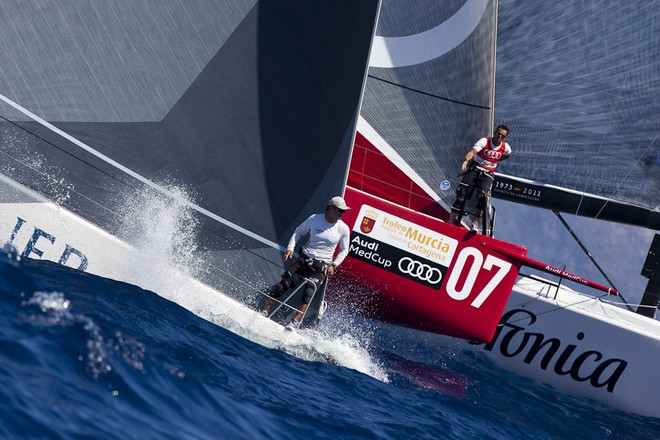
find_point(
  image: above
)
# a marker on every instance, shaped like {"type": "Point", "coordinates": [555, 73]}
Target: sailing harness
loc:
{"type": "Point", "coordinates": [306, 271]}
{"type": "Point", "coordinates": [489, 156]}
{"type": "Point", "coordinates": [316, 266]}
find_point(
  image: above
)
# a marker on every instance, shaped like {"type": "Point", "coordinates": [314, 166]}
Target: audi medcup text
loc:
{"type": "Point", "coordinates": [370, 254]}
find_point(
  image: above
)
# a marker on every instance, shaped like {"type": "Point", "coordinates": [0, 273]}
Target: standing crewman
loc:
{"type": "Point", "coordinates": [479, 168]}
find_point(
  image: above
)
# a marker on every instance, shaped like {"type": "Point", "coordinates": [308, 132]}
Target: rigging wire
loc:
{"type": "Point", "coordinates": [593, 260]}
{"type": "Point", "coordinates": [127, 184]}
{"type": "Point", "coordinates": [558, 308]}
{"type": "Point", "coordinates": [62, 150]}
{"type": "Point", "coordinates": [555, 309]}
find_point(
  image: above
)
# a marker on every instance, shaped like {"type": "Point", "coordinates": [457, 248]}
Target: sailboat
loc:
{"type": "Point", "coordinates": [241, 113]}
{"type": "Point", "coordinates": [417, 114]}
{"type": "Point", "coordinates": [586, 345]}
{"type": "Point", "coordinates": [263, 111]}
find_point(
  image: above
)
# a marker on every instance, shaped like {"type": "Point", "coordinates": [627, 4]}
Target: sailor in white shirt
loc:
{"type": "Point", "coordinates": [316, 262]}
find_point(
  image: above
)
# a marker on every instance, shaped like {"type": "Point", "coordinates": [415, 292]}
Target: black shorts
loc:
{"type": "Point", "coordinates": [479, 178]}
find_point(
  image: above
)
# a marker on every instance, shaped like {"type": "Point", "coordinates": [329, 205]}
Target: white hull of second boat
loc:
{"type": "Point", "coordinates": [580, 345]}
{"type": "Point", "coordinates": [40, 229]}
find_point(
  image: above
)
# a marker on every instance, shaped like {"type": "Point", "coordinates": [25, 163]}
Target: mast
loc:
{"type": "Point", "coordinates": [492, 97]}
{"type": "Point", "coordinates": [651, 270]}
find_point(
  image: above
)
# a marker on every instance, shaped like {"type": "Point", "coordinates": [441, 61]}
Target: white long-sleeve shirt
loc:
{"type": "Point", "coordinates": [323, 239]}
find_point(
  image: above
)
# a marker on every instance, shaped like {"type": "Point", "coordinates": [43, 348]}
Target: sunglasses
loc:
{"type": "Point", "coordinates": [500, 134]}
{"type": "Point", "coordinates": [341, 211]}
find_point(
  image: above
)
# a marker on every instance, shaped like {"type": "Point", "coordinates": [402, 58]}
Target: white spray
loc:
{"type": "Point", "coordinates": [163, 230]}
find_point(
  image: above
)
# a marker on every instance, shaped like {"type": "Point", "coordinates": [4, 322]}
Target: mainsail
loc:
{"type": "Point", "coordinates": [582, 97]}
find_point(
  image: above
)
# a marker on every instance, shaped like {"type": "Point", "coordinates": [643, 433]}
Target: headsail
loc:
{"type": "Point", "coordinates": [428, 97]}
{"type": "Point", "coordinates": [246, 105]}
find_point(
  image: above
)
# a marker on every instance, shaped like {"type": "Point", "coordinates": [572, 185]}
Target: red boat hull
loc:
{"type": "Point", "coordinates": [421, 272]}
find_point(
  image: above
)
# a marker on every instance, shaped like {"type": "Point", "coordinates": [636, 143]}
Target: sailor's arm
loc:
{"type": "Point", "coordinates": [301, 230]}
{"type": "Point", "coordinates": [344, 243]}
{"type": "Point", "coordinates": [468, 157]}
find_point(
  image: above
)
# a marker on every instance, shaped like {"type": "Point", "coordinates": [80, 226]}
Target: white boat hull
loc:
{"type": "Point", "coordinates": [580, 345]}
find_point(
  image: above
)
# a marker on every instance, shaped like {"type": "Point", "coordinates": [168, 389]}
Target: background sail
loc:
{"type": "Point", "coordinates": [428, 98]}
{"type": "Point", "coordinates": [581, 98]}
{"type": "Point", "coordinates": [250, 106]}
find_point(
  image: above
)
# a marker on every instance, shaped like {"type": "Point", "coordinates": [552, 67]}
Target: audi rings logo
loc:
{"type": "Point", "coordinates": [419, 270]}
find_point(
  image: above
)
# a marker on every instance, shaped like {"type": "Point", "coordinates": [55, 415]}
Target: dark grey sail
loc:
{"type": "Point", "coordinates": [250, 106]}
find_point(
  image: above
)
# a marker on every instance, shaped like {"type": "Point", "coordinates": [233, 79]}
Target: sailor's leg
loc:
{"type": "Point", "coordinates": [301, 312]}
{"type": "Point", "coordinates": [459, 203]}
{"type": "Point", "coordinates": [453, 216]}
{"type": "Point", "coordinates": [485, 182]}
{"type": "Point", "coordinates": [277, 289]}
{"type": "Point", "coordinates": [462, 195]}
{"type": "Point", "coordinates": [274, 291]}
{"type": "Point", "coordinates": [311, 287]}
{"type": "Point", "coordinates": [479, 210]}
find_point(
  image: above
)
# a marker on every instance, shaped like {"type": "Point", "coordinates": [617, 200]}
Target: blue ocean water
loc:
{"type": "Point", "coordinates": [88, 357]}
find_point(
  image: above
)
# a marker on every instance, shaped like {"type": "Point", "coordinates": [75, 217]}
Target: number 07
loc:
{"type": "Point", "coordinates": [477, 264]}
